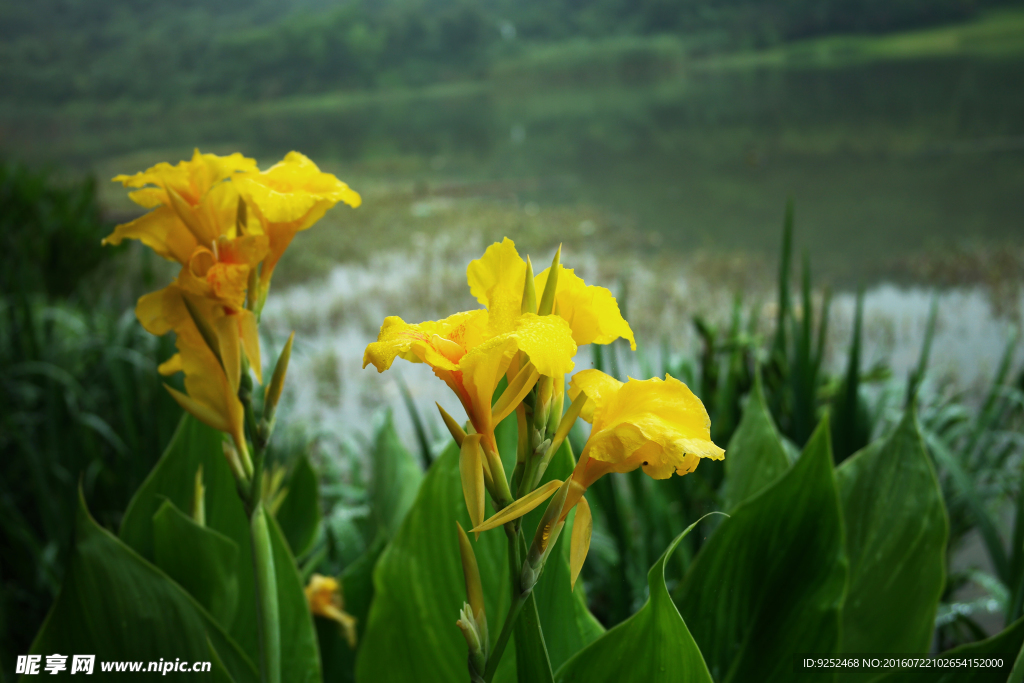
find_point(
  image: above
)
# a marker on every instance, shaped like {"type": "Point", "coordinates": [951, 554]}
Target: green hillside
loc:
{"type": "Point", "coordinates": [60, 51]}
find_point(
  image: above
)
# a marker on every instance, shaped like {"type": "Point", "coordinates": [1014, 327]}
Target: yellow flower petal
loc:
{"type": "Point", "coordinates": [496, 280]}
{"type": "Point", "coordinates": [582, 528]}
{"type": "Point", "coordinates": [514, 393]}
{"type": "Point", "coordinates": [547, 340]}
{"type": "Point", "coordinates": [210, 390]}
{"type": "Point", "coordinates": [162, 231]}
{"type": "Point", "coordinates": [289, 197]}
{"type": "Point", "coordinates": [658, 425]}
{"type": "Point", "coordinates": [199, 410]}
{"type": "Point", "coordinates": [596, 385]}
{"type": "Point", "coordinates": [482, 369]}
{"type": "Point", "coordinates": [323, 594]}
{"type": "Point", "coordinates": [425, 342]}
{"type": "Point", "coordinates": [190, 179]}
{"type": "Point", "coordinates": [251, 342]}
{"type": "Point", "coordinates": [591, 311]}
{"type": "Point", "coordinates": [171, 366]}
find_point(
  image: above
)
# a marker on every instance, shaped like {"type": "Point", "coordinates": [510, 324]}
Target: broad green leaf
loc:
{"type": "Point", "coordinates": [118, 606]}
{"type": "Point", "coordinates": [419, 586]}
{"type": "Point", "coordinates": [217, 669]}
{"type": "Point", "coordinates": [299, 514]}
{"type": "Point", "coordinates": [396, 477]}
{"type": "Point", "coordinates": [173, 479]}
{"type": "Point", "coordinates": [532, 662]}
{"type": "Point", "coordinates": [769, 583]}
{"type": "Point", "coordinates": [1017, 673]}
{"type": "Point", "coordinates": [1004, 645]}
{"type": "Point", "coordinates": [419, 589]}
{"type": "Point", "coordinates": [652, 645]}
{"type": "Point", "coordinates": [756, 456]}
{"type": "Point", "coordinates": [207, 569]}
{"type": "Point", "coordinates": [300, 652]}
{"type": "Point", "coordinates": [338, 658]}
{"type": "Point", "coordinates": [896, 531]}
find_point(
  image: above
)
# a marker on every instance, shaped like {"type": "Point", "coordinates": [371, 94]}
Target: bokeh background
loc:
{"type": "Point", "coordinates": [659, 141]}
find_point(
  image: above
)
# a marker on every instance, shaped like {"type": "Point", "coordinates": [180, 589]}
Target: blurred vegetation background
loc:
{"type": "Point", "coordinates": [56, 51]}
{"type": "Point", "coordinates": [637, 132]}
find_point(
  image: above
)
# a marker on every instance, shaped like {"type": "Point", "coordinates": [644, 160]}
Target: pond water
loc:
{"type": "Point", "coordinates": [636, 166]}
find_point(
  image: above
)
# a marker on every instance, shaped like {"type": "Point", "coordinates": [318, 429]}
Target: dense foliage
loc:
{"type": "Point", "coordinates": [846, 508]}
{"type": "Point", "coordinates": [80, 402]}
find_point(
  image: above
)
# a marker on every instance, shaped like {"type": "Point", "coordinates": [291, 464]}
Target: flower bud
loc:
{"type": "Point", "coordinates": [276, 385]}
{"type": "Point", "coordinates": [474, 586]}
{"type": "Point", "coordinates": [474, 641]}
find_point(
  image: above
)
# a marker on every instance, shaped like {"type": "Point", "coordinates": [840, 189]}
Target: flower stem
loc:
{"type": "Point", "coordinates": [518, 600]}
{"type": "Point", "coordinates": [268, 617]}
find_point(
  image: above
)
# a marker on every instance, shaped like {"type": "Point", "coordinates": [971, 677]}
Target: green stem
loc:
{"type": "Point", "coordinates": [518, 600]}
{"type": "Point", "coordinates": [267, 614]}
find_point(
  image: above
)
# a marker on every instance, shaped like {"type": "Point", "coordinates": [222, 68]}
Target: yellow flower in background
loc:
{"type": "Point", "coordinates": [288, 197]}
{"type": "Point", "coordinates": [209, 353]}
{"type": "Point", "coordinates": [323, 593]}
{"type": "Point", "coordinates": [497, 279]}
{"type": "Point", "coordinates": [192, 206]}
{"type": "Point", "coordinates": [463, 352]}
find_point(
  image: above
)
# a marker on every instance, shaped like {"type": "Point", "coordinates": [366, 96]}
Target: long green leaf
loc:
{"type": "Point", "coordinates": [896, 533]}
{"type": "Point", "coordinates": [118, 606]}
{"type": "Point", "coordinates": [396, 477]}
{"type": "Point", "coordinates": [756, 456]}
{"type": "Point", "coordinates": [300, 652]}
{"type": "Point", "coordinates": [653, 645]}
{"type": "Point", "coordinates": [850, 431]}
{"type": "Point", "coordinates": [532, 662]}
{"type": "Point", "coordinates": [173, 479]}
{"type": "Point", "coordinates": [769, 582]}
{"type": "Point", "coordinates": [965, 489]}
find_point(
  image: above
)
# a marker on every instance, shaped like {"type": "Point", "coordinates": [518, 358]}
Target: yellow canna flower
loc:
{"type": "Point", "coordinates": [497, 279]}
{"type": "Point", "coordinates": [192, 205]}
{"type": "Point", "coordinates": [462, 352]}
{"type": "Point", "coordinates": [657, 425]}
{"type": "Point", "coordinates": [222, 272]}
{"type": "Point", "coordinates": [323, 593]}
{"type": "Point", "coordinates": [209, 353]}
{"type": "Point", "coordinates": [288, 197]}
{"type": "Point", "coordinates": [654, 424]}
